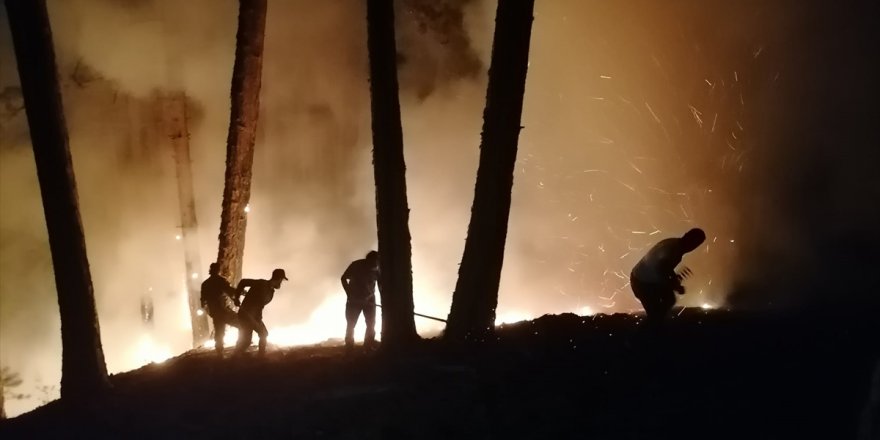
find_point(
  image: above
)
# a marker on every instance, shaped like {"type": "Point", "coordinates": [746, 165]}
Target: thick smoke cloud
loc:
{"type": "Point", "coordinates": [312, 208]}
{"type": "Point", "coordinates": [642, 119]}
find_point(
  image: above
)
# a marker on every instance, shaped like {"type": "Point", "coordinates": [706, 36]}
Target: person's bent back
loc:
{"type": "Point", "coordinates": [250, 314]}
{"type": "Point", "coordinates": [654, 280]}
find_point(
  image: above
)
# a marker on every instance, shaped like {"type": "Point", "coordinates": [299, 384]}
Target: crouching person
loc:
{"type": "Point", "coordinates": [250, 314]}
{"type": "Point", "coordinates": [654, 280]}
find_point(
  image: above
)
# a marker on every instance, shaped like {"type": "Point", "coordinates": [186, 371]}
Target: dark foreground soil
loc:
{"type": "Point", "coordinates": [709, 376]}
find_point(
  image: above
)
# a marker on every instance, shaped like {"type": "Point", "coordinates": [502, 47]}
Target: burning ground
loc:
{"type": "Point", "coordinates": [713, 375]}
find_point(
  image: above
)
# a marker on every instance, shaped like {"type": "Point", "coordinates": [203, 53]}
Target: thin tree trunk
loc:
{"type": "Point", "coordinates": [246, 79]}
{"type": "Point", "coordinates": [472, 315]}
{"type": "Point", "coordinates": [176, 128]}
{"type": "Point", "coordinates": [175, 125]}
{"type": "Point", "coordinates": [83, 371]}
{"type": "Point", "coordinates": [392, 212]}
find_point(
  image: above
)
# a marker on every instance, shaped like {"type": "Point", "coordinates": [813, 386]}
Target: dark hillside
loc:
{"type": "Point", "coordinates": [712, 375]}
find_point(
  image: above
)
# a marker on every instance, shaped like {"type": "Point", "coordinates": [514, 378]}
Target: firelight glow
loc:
{"type": "Point", "coordinates": [148, 351]}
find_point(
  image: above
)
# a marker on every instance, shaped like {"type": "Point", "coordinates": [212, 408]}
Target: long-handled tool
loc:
{"type": "Point", "coordinates": [414, 313]}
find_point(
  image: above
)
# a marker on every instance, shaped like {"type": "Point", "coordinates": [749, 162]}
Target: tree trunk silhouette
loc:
{"type": "Point", "coordinates": [83, 371]}
{"type": "Point", "coordinates": [472, 315]}
{"type": "Point", "coordinates": [246, 79]}
{"type": "Point", "coordinates": [176, 128]}
{"type": "Point", "coordinates": [392, 212]}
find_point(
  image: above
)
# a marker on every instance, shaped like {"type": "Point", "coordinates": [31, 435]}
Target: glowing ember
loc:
{"type": "Point", "coordinates": [707, 306]}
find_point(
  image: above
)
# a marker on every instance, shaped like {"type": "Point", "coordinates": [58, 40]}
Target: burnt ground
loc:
{"type": "Point", "coordinates": [711, 375]}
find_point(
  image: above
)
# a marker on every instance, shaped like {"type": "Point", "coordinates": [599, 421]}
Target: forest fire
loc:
{"type": "Point", "coordinates": [150, 351]}
{"type": "Point", "coordinates": [637, 123]}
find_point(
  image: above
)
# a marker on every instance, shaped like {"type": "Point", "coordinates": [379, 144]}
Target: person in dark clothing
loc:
{"type": "Point", "coordinates": [654, 280]}
{"type": "Point", "coordinates": [250, 314]}
{"type": "Point", "coordinates": [359, 282]}
{"type": "Point", "coordinates": [216, 298]}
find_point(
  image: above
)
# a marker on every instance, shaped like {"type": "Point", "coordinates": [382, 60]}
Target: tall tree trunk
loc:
{"type": "Point", "coordinates": [176, 128]}
{"type": "Point", "coordinates": [246, 79]}
{"type": "Point", "coordinates": [472, 315]}
{"type": "Point", "coordinates": [83, 371]}
{"type": "Point", "coordinates": [175, 125]}
{"type": "Point", "coordinates": [392, 212]}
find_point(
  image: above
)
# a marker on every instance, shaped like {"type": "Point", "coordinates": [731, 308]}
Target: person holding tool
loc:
{"type": "Point", "coordinates": [654, 280]}
{"type": "Point", "coordinates": [359, 282]}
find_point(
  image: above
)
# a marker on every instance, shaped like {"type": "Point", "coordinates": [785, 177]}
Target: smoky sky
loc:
{"type": "Point", "coordinates": [754, 120]}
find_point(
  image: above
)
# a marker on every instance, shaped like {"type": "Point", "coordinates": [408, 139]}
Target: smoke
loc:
{"type": "Point", "coordinates": [641, 119]}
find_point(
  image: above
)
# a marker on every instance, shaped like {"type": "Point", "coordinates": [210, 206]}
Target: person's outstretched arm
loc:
{"type": "Point", "coordinates": [244, 283]}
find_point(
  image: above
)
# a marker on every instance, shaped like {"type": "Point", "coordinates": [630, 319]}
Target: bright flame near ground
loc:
{"type": "Point", "coordinates": [707, 306]}
{"type": "Point", "coordinates": [148, 351]}
{"type": "Point", "coordinates": [326, 322]}
{"type": "Point", "coordinates": [511, 317]}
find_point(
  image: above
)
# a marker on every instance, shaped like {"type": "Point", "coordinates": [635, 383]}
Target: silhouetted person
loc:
{"type": "Point", "coordinates": [359, 282]}
{"type": "Point", "coordinates": [654, 281]}
{"type": "Point", "coordinates": [216, 298]}
{"type": "Point", "coordinates": [250, 314]}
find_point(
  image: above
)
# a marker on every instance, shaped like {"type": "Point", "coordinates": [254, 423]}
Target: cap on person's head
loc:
{"type": "Point", "coordinates": [372, 254]}
{"type": "Point", "coordinates": [693, 238]}
{"type": "Point", "coordinates": [279, 274]}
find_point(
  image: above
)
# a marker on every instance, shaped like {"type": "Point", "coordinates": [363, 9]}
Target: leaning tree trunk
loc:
{"type": "Point", "coordinates": [392, 212]}
{"type": "Point", "coordinates": [472, 315]}
{"type": "Point", "coordinates": [175, 125]}
{"type": "Point", "coordinates": [176, 128]}
{"type": "Point", "coordinates": [246, 78]}
{"type": "Point", "coordinates": [83, 371]}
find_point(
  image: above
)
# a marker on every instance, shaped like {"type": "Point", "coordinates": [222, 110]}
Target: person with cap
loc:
{"type": "Point", "coordinates": [216, 298]}
{"type": "Point", "coordinates": [359, 282]}
{"type": "Point", "coordinates": [250, 314]}
{"type": "Point", "coordinates": [654, 280]}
